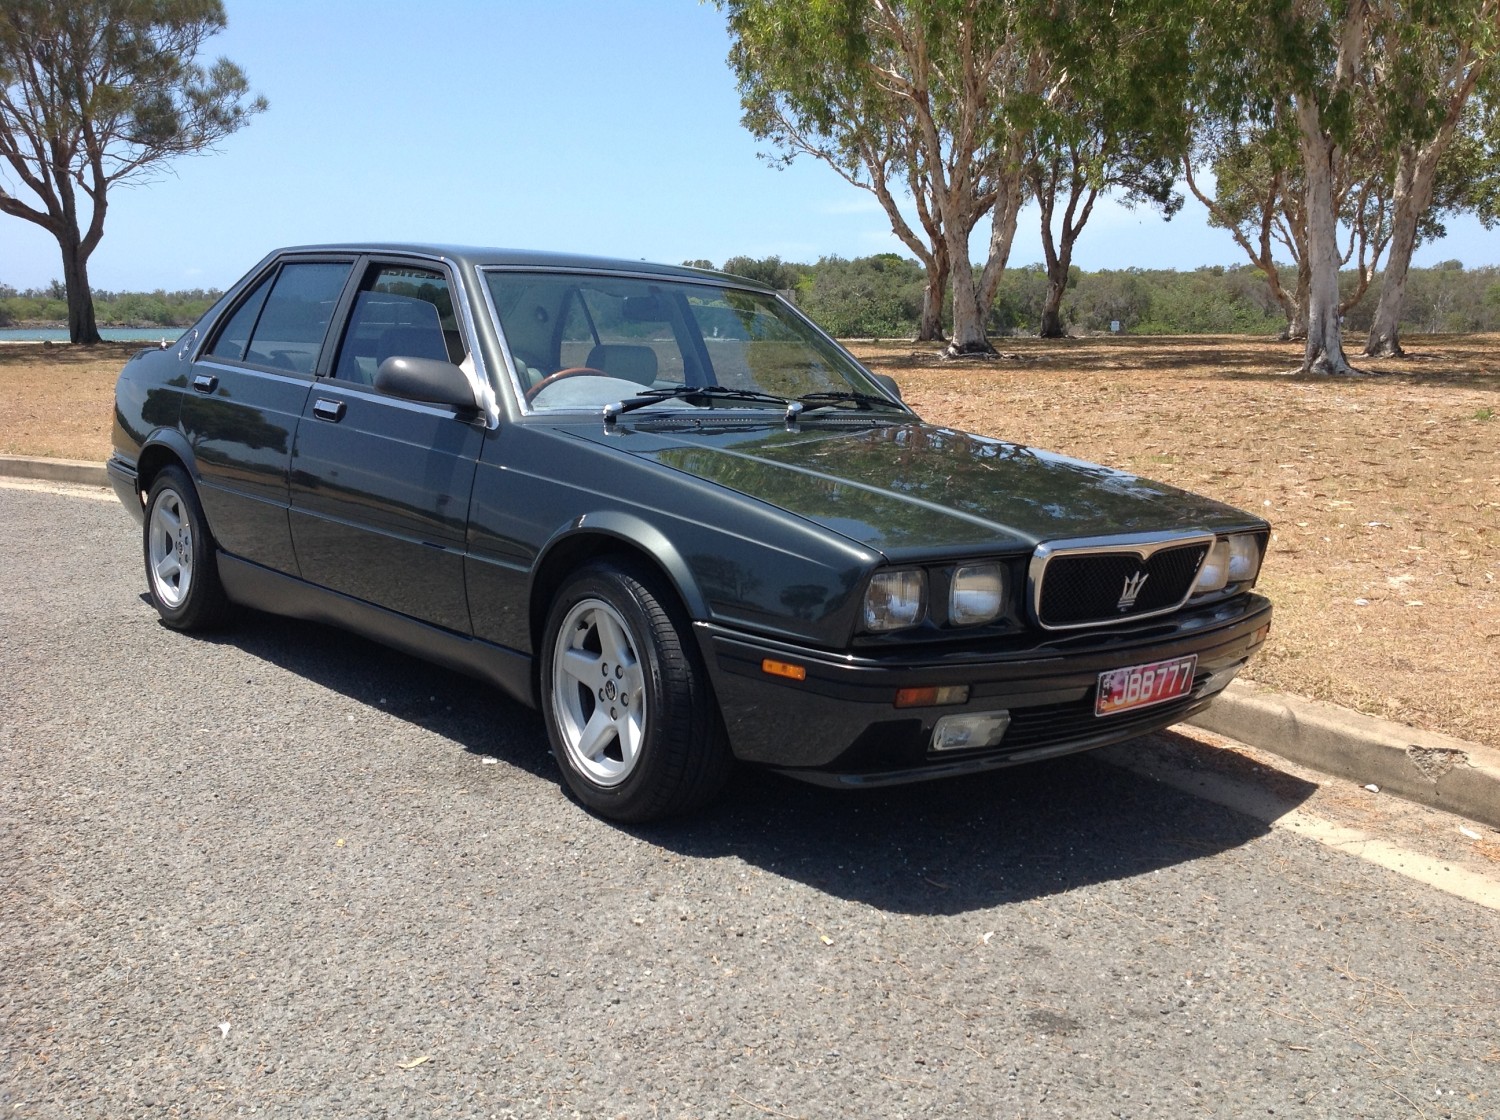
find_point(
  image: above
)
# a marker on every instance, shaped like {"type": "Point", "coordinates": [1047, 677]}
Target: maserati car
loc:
{"type": "Point", "coordinates": [662, 506]}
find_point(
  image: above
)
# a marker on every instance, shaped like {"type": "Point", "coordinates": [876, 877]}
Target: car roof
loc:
{"type": "Point", "coordinates": [482, 257]}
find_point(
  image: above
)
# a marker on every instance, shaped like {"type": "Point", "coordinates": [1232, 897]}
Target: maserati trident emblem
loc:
{"type": "Point", "coordinates": [1132, 592]}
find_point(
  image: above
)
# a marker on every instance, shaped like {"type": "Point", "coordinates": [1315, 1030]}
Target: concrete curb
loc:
{"type": "Point", "coordinates": [77, 471]}
{"type": "Point", "coordinates": [1422, 766]}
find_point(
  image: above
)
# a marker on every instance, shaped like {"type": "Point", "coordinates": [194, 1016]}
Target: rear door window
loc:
{"type": "Point", "coordinates": [284, 321]}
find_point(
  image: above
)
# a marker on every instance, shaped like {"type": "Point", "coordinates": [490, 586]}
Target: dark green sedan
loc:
{"type": "Point", "coordinates": [664, 507]}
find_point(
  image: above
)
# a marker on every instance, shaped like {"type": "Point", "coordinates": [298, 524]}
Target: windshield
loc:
{"type": "Point", "coordinates": [581, 340]}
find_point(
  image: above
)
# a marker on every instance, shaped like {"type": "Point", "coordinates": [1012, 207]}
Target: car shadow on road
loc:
{"type": "Point", "coordinates": [946, 847]}
{"type": "Point", "coordinates": [966, 844]}
{"type": "Point", "coordinates": [468, 712]}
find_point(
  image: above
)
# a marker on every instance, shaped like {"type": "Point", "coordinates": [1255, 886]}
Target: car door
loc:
{"type": "Point", "coordinates": [246, 389]}
{"type": "Point", "coordinates": [380, 486]}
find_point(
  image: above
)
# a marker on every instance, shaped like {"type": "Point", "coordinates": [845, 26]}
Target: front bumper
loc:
{"type": "Point", "coordinates": [840, 726]}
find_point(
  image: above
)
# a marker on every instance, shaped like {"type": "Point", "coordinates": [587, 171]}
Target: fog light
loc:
{"type": "Point", "coordinates": [971, 731]}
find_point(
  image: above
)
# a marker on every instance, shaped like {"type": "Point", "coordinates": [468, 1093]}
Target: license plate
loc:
{"type": "Point", "coordinates": [1140, 686]}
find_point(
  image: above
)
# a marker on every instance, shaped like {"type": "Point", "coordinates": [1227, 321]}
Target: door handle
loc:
{"type": "Point", "coordinates": [332, 411]}
{"type": "Point", "coordinates": [205, 382]}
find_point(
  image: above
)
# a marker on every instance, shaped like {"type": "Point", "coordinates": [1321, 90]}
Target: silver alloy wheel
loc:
{"type": "Point", "coordinates": [598, 692]}
{"type": "Point", "coordinates": [170, 542]}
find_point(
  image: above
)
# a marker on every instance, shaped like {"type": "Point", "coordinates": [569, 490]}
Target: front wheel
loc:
{"type": "Point", "coordinates": [182, 573]}
{"type": "Point", "coordinates": [632, 718]}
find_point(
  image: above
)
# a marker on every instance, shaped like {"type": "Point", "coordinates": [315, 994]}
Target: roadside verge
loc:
{"type": "Point", "coordinates": [1424, 766]}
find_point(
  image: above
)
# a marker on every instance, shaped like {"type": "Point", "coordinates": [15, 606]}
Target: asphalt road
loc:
{"type": "Point", "coordinates": [285, 872]}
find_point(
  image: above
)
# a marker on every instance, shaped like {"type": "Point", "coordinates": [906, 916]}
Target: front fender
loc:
{"type": "Point", "coordinates": [581, 538]}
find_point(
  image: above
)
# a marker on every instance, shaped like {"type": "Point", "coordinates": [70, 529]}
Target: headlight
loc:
{"type": "Point", "coordinates": [1233, 559]}
{"type": "Point", "coordinates": [1244, 557]}
{"type": "Point", "coordinates": [976, 595]}
{"type": "Point", "coordinates": [894, 600]}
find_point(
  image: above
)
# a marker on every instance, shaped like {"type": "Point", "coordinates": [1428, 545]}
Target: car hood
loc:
{"type": "Point", "coordinates": [912, 489]}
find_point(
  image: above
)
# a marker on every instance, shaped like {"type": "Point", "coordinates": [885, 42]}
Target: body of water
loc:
{"type": "Point", "coordinates": [144, 335]}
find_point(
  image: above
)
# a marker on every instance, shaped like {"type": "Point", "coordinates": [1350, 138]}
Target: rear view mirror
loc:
{"type": "Point", "coordinates": [888, 383]}
{"type": "Point", "coordinates": [427, 380]}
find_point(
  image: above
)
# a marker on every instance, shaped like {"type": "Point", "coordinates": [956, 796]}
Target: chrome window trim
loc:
{"type": "Point", "coordinates": [228, 365]}
{"type": "Point", "coordinates": [375, 396]}
{"type": "Point", "coordinates": [1143, 545]}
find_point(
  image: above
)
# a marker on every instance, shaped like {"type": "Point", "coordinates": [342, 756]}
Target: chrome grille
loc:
{"type": "Point", "coordinates": [1077, 584]}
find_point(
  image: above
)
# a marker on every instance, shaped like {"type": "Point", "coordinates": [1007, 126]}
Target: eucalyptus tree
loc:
{"type": "Point", "coordinates": [94, 93]}
{"type": "Point", "coordinates": [1111, 122]}
{"type": "Point", "coordinates": [1355, 79]}
{"type": "Point", "coordinates": [920, 99]}
{"type": "Point", "coordinates": [1441, 53]}
{"type": "Point", "coordinates": [1258, 196]}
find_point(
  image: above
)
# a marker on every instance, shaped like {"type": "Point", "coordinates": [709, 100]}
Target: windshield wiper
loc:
{"type": "Point", "coordinates": [688, 392]}
{"type": "Point", "coordinates": [864, 400]}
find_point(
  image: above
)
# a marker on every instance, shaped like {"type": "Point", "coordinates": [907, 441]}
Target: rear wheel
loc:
{"type": "Point", "coordinates": [182, 573]}
{"type": "Point", "coordinates": [632, 718]}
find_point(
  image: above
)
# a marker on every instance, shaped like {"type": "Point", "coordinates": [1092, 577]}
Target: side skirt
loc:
{"type": "Point", "coordinates": [277, 593]}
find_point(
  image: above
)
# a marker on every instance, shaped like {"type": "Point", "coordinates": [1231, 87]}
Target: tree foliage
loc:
{"type": "Point", "coordinates": [98, 92]}
{"type": "Point", "coordinates": [929, 99]}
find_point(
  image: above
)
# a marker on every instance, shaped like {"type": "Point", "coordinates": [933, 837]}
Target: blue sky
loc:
{"type": "Point", "coordinates": [601, 126]}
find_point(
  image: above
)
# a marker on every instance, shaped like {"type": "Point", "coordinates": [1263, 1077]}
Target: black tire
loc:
{"type": "Point", "coordinates": [643, 739]}
{"type": "Point", "coordinates": [182, 570]}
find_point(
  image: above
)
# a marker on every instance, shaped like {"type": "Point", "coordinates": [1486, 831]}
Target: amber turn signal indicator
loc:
{"type": "Point", "coordinates": [932, 697]}
{"type": "Point", "coordinates": [783, 669]}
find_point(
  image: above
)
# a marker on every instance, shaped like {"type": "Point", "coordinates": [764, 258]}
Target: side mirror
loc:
{"type": "Point", "coordinates": [427, 380]}
{"type": "Point", "coordinates": [888, 383]}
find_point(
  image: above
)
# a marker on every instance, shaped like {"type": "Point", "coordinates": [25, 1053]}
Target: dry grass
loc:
{"type": "Point", "coordinates": [1384, 490]}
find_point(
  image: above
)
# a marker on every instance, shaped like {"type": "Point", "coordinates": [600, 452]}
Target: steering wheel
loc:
{"type": "Point", "coordinates": [553, 378]}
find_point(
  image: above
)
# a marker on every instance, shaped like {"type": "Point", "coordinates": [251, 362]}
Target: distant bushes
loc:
{"type": "Point", "coordinates": [112, 309]}
{"type": "Point", "coordinates": [881, 297]}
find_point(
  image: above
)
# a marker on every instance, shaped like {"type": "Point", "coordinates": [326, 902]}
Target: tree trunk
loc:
{"type": "Point", "coordinates": [1010, 193]}
{"type": "Point", "coordinates": [82, 329]}
{"type": "Point", "coordinates": [969, 335]}
{"type": "Point", "coordinates": [1413, 193]}
{"type": "Point", "coordinates": [1057, 285]}
{"type": "Point", "coordinates": [933, 294]}
{"type": "Point", "coordinates": [1325, 345]}
{"type": "Point", "coordinates": [968, 318]}
{"type": "Point", "coordinates": [1296, 306]}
